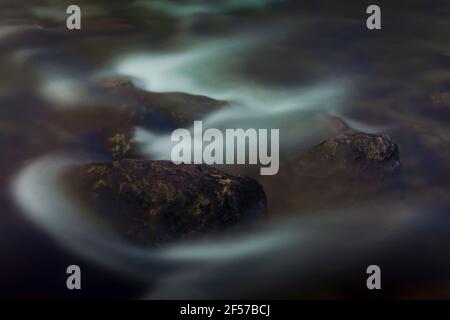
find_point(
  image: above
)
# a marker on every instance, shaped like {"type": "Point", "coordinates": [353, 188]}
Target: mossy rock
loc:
{"type": "Point", "coordinates": [156, 202]}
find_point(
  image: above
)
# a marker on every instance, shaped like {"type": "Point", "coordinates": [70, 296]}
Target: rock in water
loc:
{"type": "Point", "coordinates": [179, 108]}
{"type": "Point", "coordinates": [152, 110]}
{"type": "Point", "coordinates": [349, 169]}
{"type": "Point", "coordinates": [368, 151]}
{"type": "Point", "coordinates": [155, 202]}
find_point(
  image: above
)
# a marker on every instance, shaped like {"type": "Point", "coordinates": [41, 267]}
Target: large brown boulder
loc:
{"type": "Point", "coordinates": [155, 202]}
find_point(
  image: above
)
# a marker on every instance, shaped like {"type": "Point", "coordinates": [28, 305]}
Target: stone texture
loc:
{"type": "Point", "coordinates": [181, 109]}
{"type": "Point", "coordinates": [156, 202]}
{"type": "Point", "coordinates": [362, 149]}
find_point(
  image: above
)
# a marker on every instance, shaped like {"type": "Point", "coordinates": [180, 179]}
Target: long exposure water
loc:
{"type": "Point", "coordinates": [290, 65]}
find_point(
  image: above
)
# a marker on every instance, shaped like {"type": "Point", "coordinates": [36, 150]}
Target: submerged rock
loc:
{"type": "Point", "coordinates": [117, 83]}
{"type": "Point", "coordinates": [157, 111]}
{"type": "Point", "coordinates": [155, 202]}
{"type": "Point", "coordinates": [181, 109]}
{"type": "Point", "coordinates": [107, 127]}
{"type": "Point", "coordinates": [102, 129]}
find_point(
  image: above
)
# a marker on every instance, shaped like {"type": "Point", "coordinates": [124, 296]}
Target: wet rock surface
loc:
{"type": "Point", "coordinates": [104, 130]}
{"type": "Point", "coordinates": [349, 169]}
{"type": "Point", "coordinates": [156, 202]}
{"type": "Point", "coordinates": [181, 109]}
{"type": "Point", "coordinates": [368, 151]}
{"type": "Point", "coordinates": [108, 126]}
{"type": "Point", "coordinates": [157, 111]}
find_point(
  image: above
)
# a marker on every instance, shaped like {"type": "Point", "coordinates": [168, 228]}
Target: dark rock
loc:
{"type": "Point", "coordinates": [181, 109]}
{"type": "Point", "coordinates": [157, 111]}
{"type": "Point", "coordinates": [348, 170]}
{"type": "Point", "coordinates": [155, 202]}
{"type": "Point", "coordinates": [366, 150]}
{"type": "Point", "coordinates": [117, 83]}
{"type": "Point", "coordinates": [108, 127]}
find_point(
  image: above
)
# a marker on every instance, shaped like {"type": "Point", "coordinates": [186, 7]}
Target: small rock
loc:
{"type": "Point", "coordinates": [348, 170]}
{"type": "Point", "coordinates": [155, 202]}
{"type": "Point", "coordinates": [367, 150]}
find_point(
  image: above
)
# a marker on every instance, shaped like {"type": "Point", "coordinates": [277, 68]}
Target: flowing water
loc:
{"type": "Point", "coordinates": [280, 64]}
